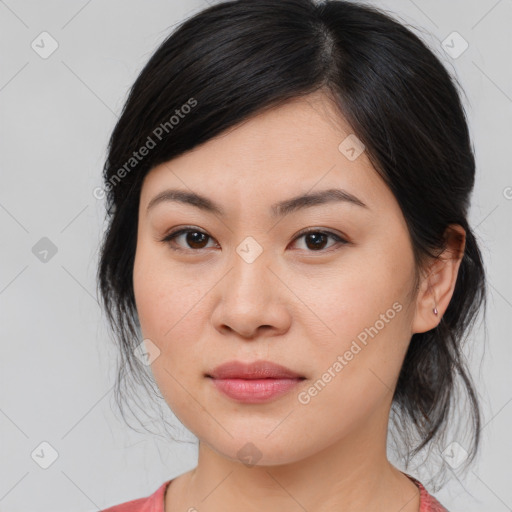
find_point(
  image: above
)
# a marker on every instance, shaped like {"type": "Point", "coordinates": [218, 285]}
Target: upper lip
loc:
{"type": "Point", "coordinates": [254, 370]}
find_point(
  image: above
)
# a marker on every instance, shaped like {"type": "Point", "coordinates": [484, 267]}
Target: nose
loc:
{"type": "Point", "coordinates": [251, 300]}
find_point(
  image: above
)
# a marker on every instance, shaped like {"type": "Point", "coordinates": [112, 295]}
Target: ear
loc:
{"type": "Point", "coordinates": [438, 281]}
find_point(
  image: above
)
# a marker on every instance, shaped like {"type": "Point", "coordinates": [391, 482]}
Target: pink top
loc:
{"type": "Point", "coordinates": [155, 502]}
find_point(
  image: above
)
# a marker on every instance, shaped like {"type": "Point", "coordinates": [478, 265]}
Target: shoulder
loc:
{"type": "Point", "coordinates": [152, 503]}
{"type": "Point", "coordinates": [427, 502]}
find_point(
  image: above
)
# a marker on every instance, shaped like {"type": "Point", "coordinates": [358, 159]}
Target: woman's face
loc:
{"type": "Point", "coordinates": [251, 286]}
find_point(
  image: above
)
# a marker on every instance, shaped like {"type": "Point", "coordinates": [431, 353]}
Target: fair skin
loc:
{"type": "Point", "coordinates": [299, 303]}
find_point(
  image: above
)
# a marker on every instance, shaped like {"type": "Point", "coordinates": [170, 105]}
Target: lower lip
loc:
{"type": "Point", "coordinates": [255, 390]}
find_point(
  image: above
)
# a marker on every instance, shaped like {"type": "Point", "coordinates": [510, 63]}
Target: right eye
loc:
{"type": "Point", "coordinates": [195, 238]}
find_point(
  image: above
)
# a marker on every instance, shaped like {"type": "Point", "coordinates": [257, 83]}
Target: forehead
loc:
{"type": "Point", "coordinates": [283, 151]}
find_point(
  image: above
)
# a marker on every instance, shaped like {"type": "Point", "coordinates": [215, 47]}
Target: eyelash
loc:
{"type": "Point", "coordinates": [174, 234]}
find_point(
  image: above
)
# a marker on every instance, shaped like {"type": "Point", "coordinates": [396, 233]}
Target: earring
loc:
{"type": "Point", "coordinates": [435, 310]}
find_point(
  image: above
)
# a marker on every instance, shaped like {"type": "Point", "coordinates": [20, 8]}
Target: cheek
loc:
{"type": "Point", "coordinates": [164, 295]}
{"type": "Point", "coordinates": [159, 312]}
{"type": "Point", "coordinates": [170, 304]}
{"type": "Point", "coordinates": [362, 305]}
{"type": "Point", "coordinates": [360, 351]}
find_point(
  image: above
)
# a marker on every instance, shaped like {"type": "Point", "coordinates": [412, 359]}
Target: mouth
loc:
{"type": "Point", "coordinates": [255, 382]}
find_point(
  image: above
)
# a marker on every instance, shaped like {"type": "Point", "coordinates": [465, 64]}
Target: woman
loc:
{"type": "Point", "coordinates": [288, 250]}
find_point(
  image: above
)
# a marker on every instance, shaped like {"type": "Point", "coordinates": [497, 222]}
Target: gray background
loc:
{"type": "Point", "coordinates": [57, 365]}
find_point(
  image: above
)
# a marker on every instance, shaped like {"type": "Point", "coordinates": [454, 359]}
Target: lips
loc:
{"type": "Point", "coordinates": [254, 370]}
{"type": "Point", "coordinates": [254, 383]}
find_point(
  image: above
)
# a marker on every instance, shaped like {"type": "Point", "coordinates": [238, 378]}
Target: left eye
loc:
{"type": "Point", "coordinates": [316, 239]}
{"type": "Point", "coordinates": [196, 239]}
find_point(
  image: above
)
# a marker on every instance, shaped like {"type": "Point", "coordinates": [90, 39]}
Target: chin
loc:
{"type": "Point", "coordinates": [260, 451]}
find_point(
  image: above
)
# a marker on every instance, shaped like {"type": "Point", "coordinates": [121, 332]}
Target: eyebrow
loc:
{"type": "Point", "coordinates": [278, 209]}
